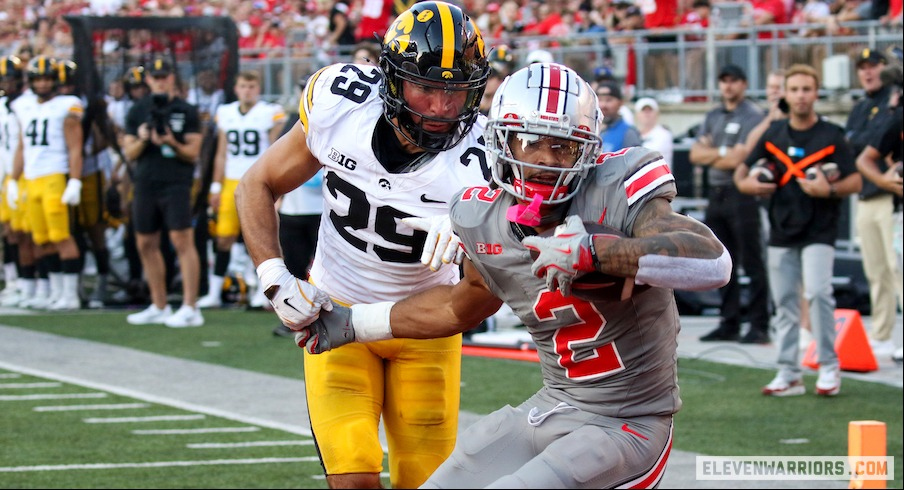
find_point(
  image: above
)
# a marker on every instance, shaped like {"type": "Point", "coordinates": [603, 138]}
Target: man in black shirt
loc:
{"type": "Point", "coordinates": [875, 209]}
{"type": "Point", "coordinates": [872, 164]}
{"type": "Point", "coordinates": [163, 135]}
{"type": "Point", "coordinates": [734, 217]}
{"type": "Point", "coordinates": [803, 209]}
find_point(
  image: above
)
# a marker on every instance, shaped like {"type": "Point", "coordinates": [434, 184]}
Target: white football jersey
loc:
{"type": "Point", "coordinates": [365, 253]}
{"type": "Point", "coordinates": [9, 136]}
{"type": "Point", "coordinates": [42, 134]}
{"type": "Point", "coordinates": [247, 135]}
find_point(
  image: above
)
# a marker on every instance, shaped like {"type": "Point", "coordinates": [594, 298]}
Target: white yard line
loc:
{"type": "Point", "coordinates": [52, 384]}
{"type": "Point", "coordinates": [58, 396]}
{"type": "Point", "coordinates": [10, 375]}
{"type": "Point", "coordinates": [209, 430]}
{"type": "Point", "coordinates": [227, 445]}
{"type": "Point", "coordinates": [152, 418]}
{"type": "Point", "coordinates": [109, 406]}
{"type": "Point", "coordinates": [158, 464]}
{"type": "Point", "coordinates": [159, 400]}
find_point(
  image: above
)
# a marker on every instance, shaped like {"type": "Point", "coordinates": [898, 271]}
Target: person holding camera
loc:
{"type": "Point", "coordinates": [734, 217]}
{"type": "Point", "coordinates": [163, 138]}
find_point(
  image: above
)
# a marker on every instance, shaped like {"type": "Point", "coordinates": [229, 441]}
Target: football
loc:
{"type": "Point", "coordinates": [596, 286]}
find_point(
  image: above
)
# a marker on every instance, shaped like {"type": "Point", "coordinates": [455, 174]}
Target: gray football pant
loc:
{"type": "Point", "coordinates": [788, 267]}
{"type": "Point", "coordinates": [556, 446]}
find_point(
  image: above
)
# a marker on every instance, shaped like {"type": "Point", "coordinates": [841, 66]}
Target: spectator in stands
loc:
{"type": "Point", "coordinates": [661, 63]}
{"type": "Point", "coordinates": [375, 18]}
{"type": "Point", "coordinates": [617, 134]}
{"type": "Point", "coordinates": [366, 53]}
{"type": "Point", "coordinates": [874, 217]}
{"type": "Point", "coordinates": [163, 135]}
{"type": "Point", "coordinates": [734, 217]}
{"type": "Point", "coordinates": [341, 28]}
{"type": "Point", "coordinates": [653, 135]}
{"type": "Point", "coordinates": [696, 19]}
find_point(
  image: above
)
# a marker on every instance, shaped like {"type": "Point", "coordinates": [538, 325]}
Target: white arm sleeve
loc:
{"type": "Point", "coordinates": [684, 273]}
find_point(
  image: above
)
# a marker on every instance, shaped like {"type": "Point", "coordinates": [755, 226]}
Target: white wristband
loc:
{"type": "Point", "coordinates": [216, 187]}
{"type": "Point", "coordinates": [723, 150]}
{"type": "Point", "coordinates": [371, 321]}
{"type": "Point", "coordinates": [269, 270]}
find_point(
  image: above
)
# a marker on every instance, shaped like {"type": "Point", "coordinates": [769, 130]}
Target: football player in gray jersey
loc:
{"type": "Point", "coordinates": [603, 418]}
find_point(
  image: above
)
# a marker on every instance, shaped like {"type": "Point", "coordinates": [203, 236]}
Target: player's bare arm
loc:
{"type": "Point", "coordinates": [287, 164]}
{"type": "Point", "coordinates": [438, 312]}
{"type": "Point", "coordinates": [72, 131]}
{"type": "Point", "coordinates": [450, 309]}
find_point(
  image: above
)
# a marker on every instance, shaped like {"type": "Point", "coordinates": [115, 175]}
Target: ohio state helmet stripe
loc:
{"type": "Point", "coordinates": [445, 19]}
{"type": "Point", "coordinates": [554, 95]}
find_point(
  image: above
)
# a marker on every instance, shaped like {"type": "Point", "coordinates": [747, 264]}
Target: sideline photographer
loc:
{"type": "Point", "coordinates": [163, 137]}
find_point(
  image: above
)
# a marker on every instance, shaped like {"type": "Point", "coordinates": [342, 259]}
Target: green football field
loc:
{"type": "Point", "coordinates": [149, 445]}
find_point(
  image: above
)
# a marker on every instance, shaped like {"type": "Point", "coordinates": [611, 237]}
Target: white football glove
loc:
{"type": "Point", "coordinates": [442, 245]}
{"type": "Point", "coordinates": [563, 257]}
{"type": "Point", "coordinates": [73, 193]}
{"type": "Point", "coordinates": [12, 194]}
{"type": "Point", "coordinates": [296, 302]}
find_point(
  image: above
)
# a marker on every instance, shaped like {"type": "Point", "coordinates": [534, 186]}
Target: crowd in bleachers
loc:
{"type": "Point", "coordinates": [269, 27]}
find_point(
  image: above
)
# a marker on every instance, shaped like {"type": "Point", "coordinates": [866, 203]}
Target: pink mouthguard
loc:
{"type": "Point", "coordinates": [528, 215]}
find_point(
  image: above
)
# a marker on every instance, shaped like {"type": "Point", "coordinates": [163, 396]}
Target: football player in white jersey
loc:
{"type": "Point", "coordinates": [50, 158]}
{"type": "Point", "coordinates": [245, 129]}
{"type": "Point", "coordinates": [383, 161]}
{"type": "Point", "coordinates": [603, 418]}
{"type": "Point", "coordinates": [18, 249]}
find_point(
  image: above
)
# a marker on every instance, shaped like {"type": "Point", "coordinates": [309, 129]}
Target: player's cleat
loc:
{"type": "Point", "coordinates": [66, 303]}
{"type": "Point", "coordinates": [11, 300]}
{"type": "Point", "coordinates": [97, 299]}
{"type": "Point", "coordinates": [150, 315]}
{"type": "Point", "coordinates": [882, 348]}
{"type": "Point", "coordinates": [212, 299]}
{"type": "Point", "coordinates": [782, 386]}
{"type": "Point", "coordinates": [829, 381]}
{"type": "Point", "coordinates": [185, 316]}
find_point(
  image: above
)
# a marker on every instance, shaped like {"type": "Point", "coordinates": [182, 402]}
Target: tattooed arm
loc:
{"type": "Point", "coordinates": [668, 250]}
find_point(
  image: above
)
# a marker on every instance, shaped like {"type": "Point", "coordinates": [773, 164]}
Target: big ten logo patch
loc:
{"type": "Point", "coordinates": [488, 248]}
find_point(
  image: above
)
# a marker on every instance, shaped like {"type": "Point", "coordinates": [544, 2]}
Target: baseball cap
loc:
{"type": "Point", "coordinates": [609, 88]}
{"type": "Point", "coordinates": [159, 66]}
{"type": "Point", "coordinates": [870, 56]}
{"type": "Point", "coordinates": [646, 102]}
{"type": "Point", "coordinates": [632, 11]}
{"type": "Point", "coordinates": [733, 71]}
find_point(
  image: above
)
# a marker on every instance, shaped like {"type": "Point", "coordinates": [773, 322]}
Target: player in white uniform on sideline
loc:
{"type": "Point", "coordinates": [603, 418]}
{"type": "Point", "coordinates": [17, 247]}
{"type": "Point", "coordinates": [245, 129]}
{"type": "Point", "coordinates": [383, 160]}
{"type": "Point", "coordinates": [50, 158]}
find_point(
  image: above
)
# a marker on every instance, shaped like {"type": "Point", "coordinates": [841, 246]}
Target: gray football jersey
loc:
{"type": "Point", "coordinates": [612, 358]}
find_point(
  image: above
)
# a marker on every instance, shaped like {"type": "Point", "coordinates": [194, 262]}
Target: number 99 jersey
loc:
{"type": "Point", "coordinates": [364, 251]}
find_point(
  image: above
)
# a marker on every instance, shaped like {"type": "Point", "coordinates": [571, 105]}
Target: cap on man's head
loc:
{"type": "Point", "coordinates": [632, 11]}
{"type": "Point", "coordinates": [733, 71]}
{"type": "Point", "coordinates": [609, 88]}
{"type": "Point", "coordinates": [159, 67]}
{"type": "Point", "coordinates": [701, 3]}
{"type": "Point", "coordinates": [623, 3]}
{"type": "Point", "coordinates": [644, 102]}
{"type": "Point", "coordinates": [870, 56]}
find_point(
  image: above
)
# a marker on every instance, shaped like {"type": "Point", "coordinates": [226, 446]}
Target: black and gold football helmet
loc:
{"type": "Point", "coordinates": [436, 46]}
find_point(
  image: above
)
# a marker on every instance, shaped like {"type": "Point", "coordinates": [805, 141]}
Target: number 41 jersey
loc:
{"type": "Point", "coordinates": [365, 253]}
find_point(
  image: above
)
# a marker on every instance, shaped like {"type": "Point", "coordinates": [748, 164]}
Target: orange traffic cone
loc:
{"type": "Point", "coordinates": [851, 344]}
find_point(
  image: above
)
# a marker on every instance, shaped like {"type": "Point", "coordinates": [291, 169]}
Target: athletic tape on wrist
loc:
{"type": "Point", "coordinates": [371, 321]}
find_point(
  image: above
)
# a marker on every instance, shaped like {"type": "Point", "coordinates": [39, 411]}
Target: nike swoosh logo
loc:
{"type": "Point", "coordinates": [565, 251]}
{"type": "Point", "coordinates": [424, 198]}
{"type": "Point", "coordinates": [627, 429]}
{"type": "Point", "coordinates": [286, 301]}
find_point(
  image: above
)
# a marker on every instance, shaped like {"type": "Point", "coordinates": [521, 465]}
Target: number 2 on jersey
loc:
{"type": "Point", "coordinates": [573, 342]}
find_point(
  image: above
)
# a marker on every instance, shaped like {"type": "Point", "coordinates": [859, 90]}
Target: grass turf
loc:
{"type": "Point", "coordinates": [723, 412]}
